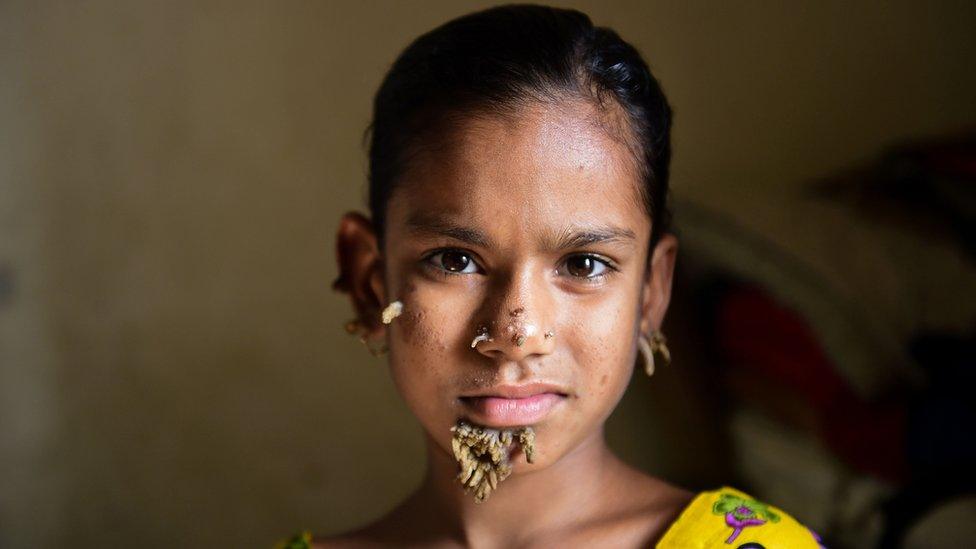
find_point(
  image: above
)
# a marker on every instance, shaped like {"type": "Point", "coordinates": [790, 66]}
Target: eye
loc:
{"type": "Point", "coordinates": [588, 266]}
{"type": "Point", "coordinates": [453, 262]}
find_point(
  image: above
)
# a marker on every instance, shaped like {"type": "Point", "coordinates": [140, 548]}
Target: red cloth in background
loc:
{"type": "Point", "coordinates": [759, 337]}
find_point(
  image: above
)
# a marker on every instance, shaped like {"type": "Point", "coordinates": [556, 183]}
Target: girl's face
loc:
{"type": "Point", "coordinates": [524, 227]}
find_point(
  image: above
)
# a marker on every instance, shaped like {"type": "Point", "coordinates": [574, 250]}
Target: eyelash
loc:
{"type": "Point", "coordinates": [611, 268]}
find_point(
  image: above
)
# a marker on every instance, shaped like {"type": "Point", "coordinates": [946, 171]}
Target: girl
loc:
{"type": "Point", "coordinates": [516, 261]}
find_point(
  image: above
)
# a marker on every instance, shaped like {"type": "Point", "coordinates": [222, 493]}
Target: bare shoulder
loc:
{"type": "Point", "coordinates": [646, 507]}
{"type": "Point", "coordinates": [665, 508]}
{"type": "Point", "coordinates": [662, 502]}
{"type": "Point", "coordinates": [653, 495]}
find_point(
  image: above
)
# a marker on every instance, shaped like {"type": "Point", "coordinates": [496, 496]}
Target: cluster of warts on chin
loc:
{"type": "Point", "coordinates": [482, 454]}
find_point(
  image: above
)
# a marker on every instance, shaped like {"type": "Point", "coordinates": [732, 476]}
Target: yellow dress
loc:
{"type": "Point", "coordinates": [723, 518]}
{"type": "Point", "coordinates": [730, 518]}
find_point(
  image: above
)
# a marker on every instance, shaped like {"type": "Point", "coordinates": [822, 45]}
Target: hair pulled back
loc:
{"type": "Point", "coordinates": [493, 62]}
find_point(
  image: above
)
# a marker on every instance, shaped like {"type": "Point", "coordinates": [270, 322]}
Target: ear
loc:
{"type": "Point", "coordinates": [656, 291]}
{"type": "Point", "coordinates": [361, 269]}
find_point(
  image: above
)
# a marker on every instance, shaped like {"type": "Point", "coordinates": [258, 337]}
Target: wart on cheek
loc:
{"type": "Point", "coordinates": [392, 311]}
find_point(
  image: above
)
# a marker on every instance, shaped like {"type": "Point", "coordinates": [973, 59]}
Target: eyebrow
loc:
{"type": "Point", "coordinates": [435, 224]}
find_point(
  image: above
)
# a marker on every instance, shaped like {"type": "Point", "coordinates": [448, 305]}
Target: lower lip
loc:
{"type": "Point", "coordinates": [506, 412]}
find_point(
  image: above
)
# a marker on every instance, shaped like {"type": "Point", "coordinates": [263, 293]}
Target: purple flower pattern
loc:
{"type": "Point", "coordinates": [741, 513]}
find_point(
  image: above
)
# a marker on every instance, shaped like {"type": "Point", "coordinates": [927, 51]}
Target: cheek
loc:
{"type": "Point", "coordinates": [420, 329]}
{"type": "Point", "coordinates": [422, 340]}
{"type": "Point", "coordinates": [603, 346]}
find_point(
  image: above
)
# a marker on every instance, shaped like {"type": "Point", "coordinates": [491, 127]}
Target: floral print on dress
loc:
{"type": "Point", "coordinates": [741, 513]}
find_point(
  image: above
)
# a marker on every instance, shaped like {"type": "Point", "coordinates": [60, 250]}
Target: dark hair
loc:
{"type": "Point", "coordinates": [493, 62]}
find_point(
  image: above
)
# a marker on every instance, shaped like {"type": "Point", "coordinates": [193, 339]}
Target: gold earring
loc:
{"type": "Point", "coordinates": [657, 344]}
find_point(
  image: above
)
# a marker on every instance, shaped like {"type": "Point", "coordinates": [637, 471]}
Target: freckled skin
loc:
{"type": "Point", "coordinates": [520, 182]}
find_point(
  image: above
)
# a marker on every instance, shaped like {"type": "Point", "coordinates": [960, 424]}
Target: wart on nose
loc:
{"type": "Point", "coordinates": [520, 331]}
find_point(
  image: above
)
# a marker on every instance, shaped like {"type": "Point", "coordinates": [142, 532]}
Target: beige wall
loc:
{"type": "Point", "coordinates": [173, 371]}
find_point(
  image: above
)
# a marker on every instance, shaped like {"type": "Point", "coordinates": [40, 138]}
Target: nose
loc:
{"type": "Point", "coordinates": [516, 323]}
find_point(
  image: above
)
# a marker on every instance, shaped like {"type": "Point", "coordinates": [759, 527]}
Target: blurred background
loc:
{"type": "Point", "coordinates": [173, 367]}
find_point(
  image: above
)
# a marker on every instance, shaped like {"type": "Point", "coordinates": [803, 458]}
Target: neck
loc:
{"type": "Point", "coordinates": [525, 505]}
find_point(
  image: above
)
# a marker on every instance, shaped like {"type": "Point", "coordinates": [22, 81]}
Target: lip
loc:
{"type": "Point", "coordinates": [519, 391]}
{"type": "Point", "coordinates": [510, 405]}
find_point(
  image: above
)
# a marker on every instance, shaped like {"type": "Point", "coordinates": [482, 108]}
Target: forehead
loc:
{"type": "Point", "coordinates": [545, 168]}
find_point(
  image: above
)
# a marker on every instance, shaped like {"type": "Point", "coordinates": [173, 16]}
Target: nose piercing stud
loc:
{"type": "Point", "coordinates": [549, 334]}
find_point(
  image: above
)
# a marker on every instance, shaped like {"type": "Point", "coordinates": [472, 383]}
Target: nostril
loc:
{"type": "Point", "coordinates": [518, 332]}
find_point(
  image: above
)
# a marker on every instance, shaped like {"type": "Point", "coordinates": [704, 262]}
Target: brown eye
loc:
{"type": "Point", "coordinates": [454, 261]}
{"type": "Point", "coordinates": [585, 266]}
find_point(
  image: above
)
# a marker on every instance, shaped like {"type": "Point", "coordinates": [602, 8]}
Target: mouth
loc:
{"type": "Point", "coordinates": [513, 405]}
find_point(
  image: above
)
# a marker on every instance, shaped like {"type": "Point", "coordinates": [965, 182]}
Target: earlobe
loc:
{"type": "Point", "coordinates": [360, 267]}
